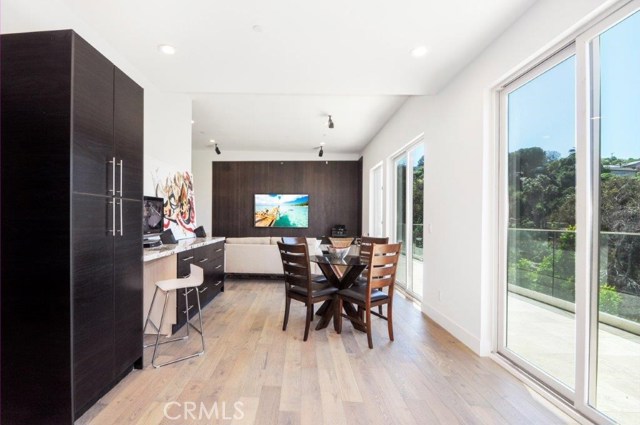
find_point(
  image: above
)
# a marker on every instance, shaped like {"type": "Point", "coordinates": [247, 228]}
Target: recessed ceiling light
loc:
{"type": "Point", "coordinates": [167, 49]}
{"type": "Point", "coordinates": [419, 51]}
{"type": "Point", "coordinates": [211, 141]}
{"type": "Point", "coordinates": [193, 122]}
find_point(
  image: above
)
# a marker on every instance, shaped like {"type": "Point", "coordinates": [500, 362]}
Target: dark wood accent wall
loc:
{"type": "Point", "coordinates": [334, 188]}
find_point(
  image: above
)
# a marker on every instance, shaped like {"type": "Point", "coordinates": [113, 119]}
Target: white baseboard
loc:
{"type": "Point", "coordinates": [453, 328]}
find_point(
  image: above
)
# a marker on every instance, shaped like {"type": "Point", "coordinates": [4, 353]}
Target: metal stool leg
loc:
{"type": "Point", "coordinates": [146, 323]}
{"type": "Point", "coordinates": [189, 324]}
{"type": "Point", "coordinates": [155, 347]}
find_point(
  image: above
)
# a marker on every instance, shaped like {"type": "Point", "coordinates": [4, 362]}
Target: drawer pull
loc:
{"type": "Point", "coordinates": [204, 289]}
{"type": "Point", "coordinates": [188, 258]}
{"type": "Point", "coordinates": [218, 283]}
{"type": "Point", "coordinates": [219, 249]}
{"type": "Point", "coordinates": [218, 266]}
{"type": "Point", "coordinates": [187, 310]}
{"type": "Point", "coordinates": [204, 260]}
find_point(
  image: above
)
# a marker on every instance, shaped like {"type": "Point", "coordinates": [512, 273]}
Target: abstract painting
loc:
{"type": "Point", "coordinates": [179, 203]}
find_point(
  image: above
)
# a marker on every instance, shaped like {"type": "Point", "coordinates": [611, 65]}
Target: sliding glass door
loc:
{"type": "Point", "coordinates": [615, 134]}
{"type": "Point", "coordinates": [408, 205]}
{"type": "Point", "coordinates": [569, 299]}
{"type": "Point", "coordinates": [540, 154]}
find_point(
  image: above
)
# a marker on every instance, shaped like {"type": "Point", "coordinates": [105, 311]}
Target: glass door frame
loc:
{"type": "Point", "coordinates": [503, 217]}
{"type": "Point", "coordinates": [372, 206]}
{"type": "Point", "coordinates": [408, 237]}
{"type": "Point", "coordinates": [587, 219]}
{"type": "Point", "coordinates": [588, 133]}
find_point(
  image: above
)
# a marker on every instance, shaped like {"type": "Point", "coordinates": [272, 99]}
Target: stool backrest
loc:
{"type": "Point", "coordinates": [197, 275]}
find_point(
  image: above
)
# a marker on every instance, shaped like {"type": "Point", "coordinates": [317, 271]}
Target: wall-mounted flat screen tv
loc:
{"type": "Point", "coordinates": [281, 210]}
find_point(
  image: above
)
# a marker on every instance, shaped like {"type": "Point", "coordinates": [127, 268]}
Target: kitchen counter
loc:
{"type": "Point", "coordinates": [151, 254]}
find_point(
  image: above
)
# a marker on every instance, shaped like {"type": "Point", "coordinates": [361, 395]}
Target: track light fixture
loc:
{"type": "Point", "coordinates": [321, 152]}
{"type": "Point", "coordinates": [330, 123]}
{"type": "Point", "coordinates": [217, 149]}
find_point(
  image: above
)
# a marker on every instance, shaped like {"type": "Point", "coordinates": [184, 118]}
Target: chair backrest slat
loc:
{"type": "Point", "coordinates": [366, 243]}
{"type": "Point", "coordinates": [383, 264]}
{"type": "Point", "coordinates": [295, 265]}
{"type": "Point", "coordinates": [293, 240]}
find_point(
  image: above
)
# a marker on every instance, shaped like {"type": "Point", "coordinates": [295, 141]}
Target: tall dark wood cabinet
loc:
{"type": "Point", "coordinates": [71, 237]}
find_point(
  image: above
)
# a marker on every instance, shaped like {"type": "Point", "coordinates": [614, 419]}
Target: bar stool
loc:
{"type": "Point", "coordinates": [187, 284]}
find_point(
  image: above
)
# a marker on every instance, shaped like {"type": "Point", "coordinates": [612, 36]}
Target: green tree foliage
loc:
{"type": "Point", "coordinates": [542, 196]}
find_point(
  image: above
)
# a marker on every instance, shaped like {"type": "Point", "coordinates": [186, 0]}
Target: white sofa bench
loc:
{"type": "Point", "coordinates": [260, 255]}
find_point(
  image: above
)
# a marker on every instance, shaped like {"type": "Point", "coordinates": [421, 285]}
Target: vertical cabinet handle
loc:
{"type": "Point", "coordinates": [120, 164]}
{"type": "Point", "coordinates": [113, 217]}
{"type": "Point", "coordinates": [121, 230]}
{"type": "Point", "coordinates": [113, 175]}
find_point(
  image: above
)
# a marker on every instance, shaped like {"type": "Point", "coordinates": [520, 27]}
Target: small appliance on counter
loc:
{"type": "Point", "coordinates": [339, 230]}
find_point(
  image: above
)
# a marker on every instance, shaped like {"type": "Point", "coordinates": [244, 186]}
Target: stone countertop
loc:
{"type": "Point", "coordinates": [151, 254]}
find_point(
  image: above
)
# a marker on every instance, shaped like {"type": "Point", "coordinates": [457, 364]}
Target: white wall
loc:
{"type": "Point", "coordinates": [167, 136]}
{"type": "Point", "coordinates": [167, 116]}
{"type": "Point", "coordinates": [201, 162]}
{"type": "Point", "coordinates": [459, 196]}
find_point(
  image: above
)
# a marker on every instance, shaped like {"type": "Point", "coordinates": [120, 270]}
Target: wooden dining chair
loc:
{"type": "Point", "coordinates": [295, 240]}
{"type": "Point", "coordinates": [366, 243]}
{"type": "Point", "coordinates": [299, 284]}
{"type": "Point", "coordinates": [381, 273]}
{"type": "Point", "coordinates": [341, 242]}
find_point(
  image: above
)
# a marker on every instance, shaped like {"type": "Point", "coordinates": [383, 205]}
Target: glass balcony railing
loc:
{"type": "Point", "coordinates": [543, 261]}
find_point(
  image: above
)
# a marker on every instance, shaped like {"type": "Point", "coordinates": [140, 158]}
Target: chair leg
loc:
{"type": "Point", "coordinates": [308, 321]}
{"type": "Point", "coordinates": [146, 322]}
{"type": "Point", "coordinates": [186, 303]}
{"type": "Point", "coordinates": [155, 348]}
{"type": "Point", "coordinates": [369, 338]}
{"type": "Point", "coordinates": [390, 320]}
{"type": "Point", "coordinates": [337, 315]}
{"type": "Point", "coordinates": [286, 313]}
{"type": "Point", "coordinates": [200, 319]}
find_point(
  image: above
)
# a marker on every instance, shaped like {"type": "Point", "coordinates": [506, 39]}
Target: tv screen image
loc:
{"type": "Point", "coordinates": [281, 210]}
{"type": "Point", "coordinates": [152, 215]}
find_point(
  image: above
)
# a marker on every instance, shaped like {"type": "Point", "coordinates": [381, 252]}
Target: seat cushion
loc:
{"type": "Point", "coordinates": [359, 292]}
{"type": "Point", "coordinates": [317, 291]}
{"type": "Point", "coordinates": [319, 278]}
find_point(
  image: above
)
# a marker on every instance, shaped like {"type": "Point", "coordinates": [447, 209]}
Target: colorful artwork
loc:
{"type": "Point", "coordinates": [179, 204]}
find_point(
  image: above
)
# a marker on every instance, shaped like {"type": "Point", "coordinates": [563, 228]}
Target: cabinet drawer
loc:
{"type": "Point", "coordinates": [185, 259]}
{"type": "Point", "coordinates": [217, 249]}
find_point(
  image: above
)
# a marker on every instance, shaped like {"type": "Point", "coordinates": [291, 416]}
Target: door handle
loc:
{"type": "Point", "coordinates": [121, 165]}
{"type": "Point", "coordinates": [113, 175]}
{"type": "Point", "coordinates": [113, 218]}
{"type": "Point", "coordinates": [121, 226]}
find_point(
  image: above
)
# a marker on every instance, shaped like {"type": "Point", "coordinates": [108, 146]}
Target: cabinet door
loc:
{"type": "Point", "coordinates": [92, 120]}
{"type": "Point", "coordinates": [128, 135]}
{"type": "Point", "coordinates": [93, 315]}
{"type": "Point", "coordinates": [185, 259]}
{"type": "Point", "coordinates": [128, 284]}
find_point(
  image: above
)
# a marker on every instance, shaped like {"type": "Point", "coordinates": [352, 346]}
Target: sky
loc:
{"type": "Point", "coordinates": [542, 112]}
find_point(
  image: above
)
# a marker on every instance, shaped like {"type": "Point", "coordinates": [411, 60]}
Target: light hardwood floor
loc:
{"type": "Point", "coordinates": [254, 373]}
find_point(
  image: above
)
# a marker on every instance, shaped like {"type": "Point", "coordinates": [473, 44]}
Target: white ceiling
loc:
{"type": "Point", "coordinates": [274, 87]}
